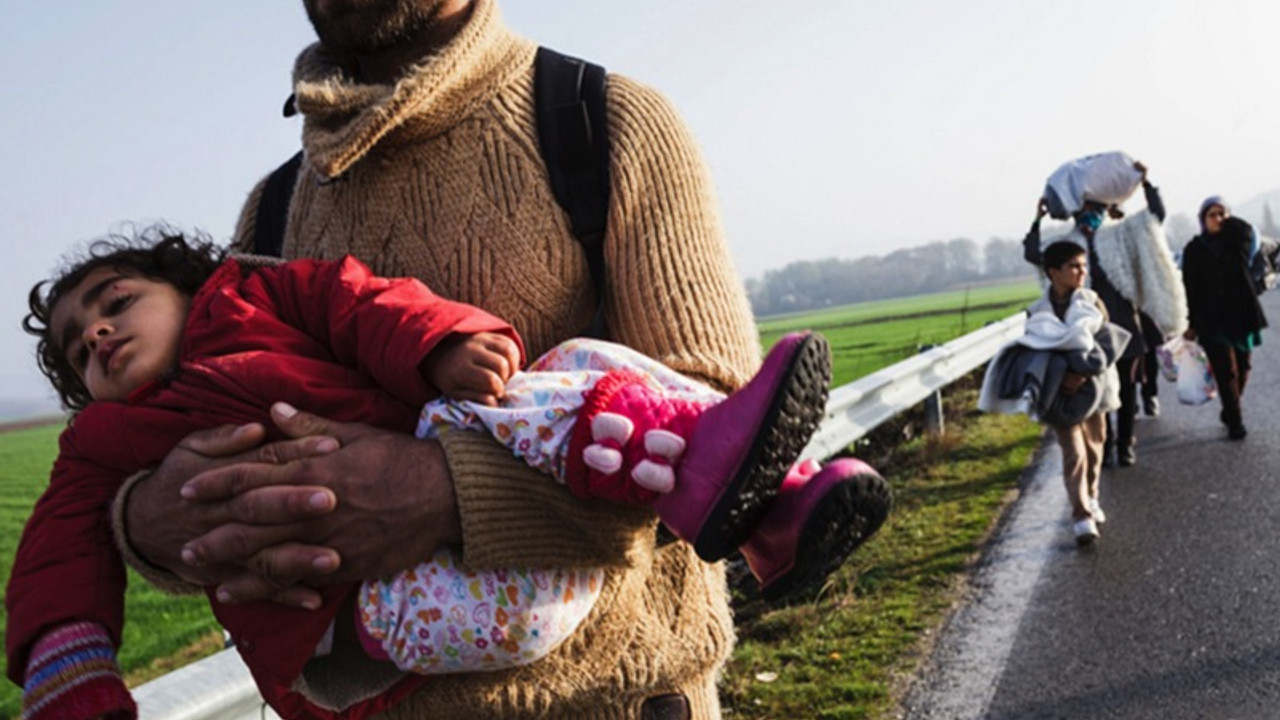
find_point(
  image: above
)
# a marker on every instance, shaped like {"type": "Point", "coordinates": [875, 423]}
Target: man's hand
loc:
{"type": "Point", "coordinates": [158, 522]}
{"type": "Point", "coordinates": [1042, 208]}
{"type": "Point", "coordinates": [1142, 169]}
{"type": "Point", "coordinates": [472, 367]}
{"type": "Point", "coordinates": [1071, 382]}
{"type": "Point", "coordinates": [394, 506]}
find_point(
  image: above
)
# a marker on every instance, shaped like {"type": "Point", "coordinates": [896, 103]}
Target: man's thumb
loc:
{"type": "Point", "coordinates": [224, 441]}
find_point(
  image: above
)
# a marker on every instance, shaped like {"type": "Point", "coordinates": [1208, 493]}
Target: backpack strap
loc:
{"type": "Point", "coordinates": [573, 137]}
{"type": "Point", "coordinates": [273, 208]}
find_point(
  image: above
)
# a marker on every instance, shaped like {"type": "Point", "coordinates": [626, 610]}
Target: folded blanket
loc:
{"type": "Point", "coordinates": [1025, 376]}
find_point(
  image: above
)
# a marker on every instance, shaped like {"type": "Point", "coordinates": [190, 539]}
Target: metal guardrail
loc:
{"type": "Point", "coordinates": [856, 409]}
{"type": "Point", "coordinates": [220, 687]}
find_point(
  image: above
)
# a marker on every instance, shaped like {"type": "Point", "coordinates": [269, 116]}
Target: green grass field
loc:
{"type": "Point", "coordinates": [870, 336]}
{"type": "Point", "coordinates": [834, 658]}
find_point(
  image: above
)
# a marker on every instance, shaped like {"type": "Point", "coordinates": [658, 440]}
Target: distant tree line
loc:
{"type": "Point", "coordinates": [937, 266]}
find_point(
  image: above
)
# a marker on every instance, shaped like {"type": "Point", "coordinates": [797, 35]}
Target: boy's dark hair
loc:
{"type": "Point", "coordinates": [157, 252]}
{"type": "Point", "coordinates": [1060, 253]}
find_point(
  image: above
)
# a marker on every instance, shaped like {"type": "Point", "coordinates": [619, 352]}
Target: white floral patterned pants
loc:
{"type": "Point", "coordinates": [438, 618]}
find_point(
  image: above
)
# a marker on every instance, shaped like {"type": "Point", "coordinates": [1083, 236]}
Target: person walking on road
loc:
{"type": "Point", "coordinates": [1062, 373]}
{"type": "Point", "coordinates": [1132, 272]}
{"type": "Point", "coordinates": [1223, 309]}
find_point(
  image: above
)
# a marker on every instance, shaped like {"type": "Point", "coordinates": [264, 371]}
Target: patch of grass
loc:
{"type": "Point", "coordinates": [175, 630]}
{"type": "Point", "coordinates": [844, 653]}
{"type": "Point", "coordinates": [950, 301]}
{"type": "Point", "coordinates": [204, 645]}
{"type": "Point", "coordinates": [869, 336]}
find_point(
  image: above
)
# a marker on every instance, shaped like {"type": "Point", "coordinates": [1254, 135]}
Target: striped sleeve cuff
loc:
{"type": "Point", "coordinates": [73, 675]}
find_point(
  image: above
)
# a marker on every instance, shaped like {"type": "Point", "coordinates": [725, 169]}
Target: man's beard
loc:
{"type": "Point", "coordinates": [370, 26]}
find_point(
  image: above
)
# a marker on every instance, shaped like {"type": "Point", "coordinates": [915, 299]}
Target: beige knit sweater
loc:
{"type": "Point", "coordinates": [439, 177]}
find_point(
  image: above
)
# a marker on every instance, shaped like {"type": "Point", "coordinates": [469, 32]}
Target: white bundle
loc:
{"type": "Point", "coordinates": [1108, 178]}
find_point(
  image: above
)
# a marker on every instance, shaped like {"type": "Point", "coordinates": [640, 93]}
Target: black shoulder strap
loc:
{"type": "Point", "coordinates": [574, 142]}
{"type": "Point", "coordinates": [573, 137]}
{"type": "Point", "coordinates": [273, 208]}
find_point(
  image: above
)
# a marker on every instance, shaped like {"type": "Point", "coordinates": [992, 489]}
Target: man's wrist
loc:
{"type": "Point", "coordinates": [120, 521]}
{"type": "Point", "coordinates": [135, 557]}
{"type": "Point", "coordinates": [450, 516]}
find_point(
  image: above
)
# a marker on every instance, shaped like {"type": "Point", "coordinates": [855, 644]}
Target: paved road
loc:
{"type": "Point", "coordinates": [1174, 614]}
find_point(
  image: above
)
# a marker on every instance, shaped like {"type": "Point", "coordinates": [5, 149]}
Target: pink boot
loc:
{"type": "Point", "coordinates": [710, 472]}
{"type": "Point", "coordinates": [822, 514]}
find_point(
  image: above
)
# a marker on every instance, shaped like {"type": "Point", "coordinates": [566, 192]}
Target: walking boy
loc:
{"type": "Point", "coordinates": [1062, 372]}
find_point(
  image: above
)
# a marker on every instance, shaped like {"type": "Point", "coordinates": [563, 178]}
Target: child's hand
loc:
{"type": "Point", "coordinates": [1071, 382]}
{"type": "Point", "coordinates": [472, 367]}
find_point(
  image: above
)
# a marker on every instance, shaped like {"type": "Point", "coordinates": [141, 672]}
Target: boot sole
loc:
{"type": "Point", "coordinates": [846, 517]}
{"type": "Point", "coordinates": [795, 410]}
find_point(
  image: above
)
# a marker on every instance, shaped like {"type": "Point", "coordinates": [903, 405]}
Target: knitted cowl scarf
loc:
{"type": "Point", "coordinates": [346, 119]}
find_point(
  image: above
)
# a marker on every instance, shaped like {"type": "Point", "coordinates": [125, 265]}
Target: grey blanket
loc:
{"type": "Point", "coordinates": [1038, 374]}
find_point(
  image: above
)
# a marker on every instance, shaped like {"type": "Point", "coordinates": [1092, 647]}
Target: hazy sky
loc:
{"type": "Point", "coordinates": [833, 129]}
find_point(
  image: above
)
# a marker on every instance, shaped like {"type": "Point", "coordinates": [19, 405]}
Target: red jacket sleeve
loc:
{"type": "Point", "coordinates": [67, 567]}
{"type": "Point", "coordinates": [382, 326]}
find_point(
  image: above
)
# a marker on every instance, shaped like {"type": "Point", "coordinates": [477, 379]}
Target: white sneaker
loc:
{"type": "Point", "coordinates": [1086, 531]}
{"type": "Point", "coordinates": [1096, 509]}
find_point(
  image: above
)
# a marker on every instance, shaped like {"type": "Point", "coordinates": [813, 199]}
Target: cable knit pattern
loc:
{"type": "Point", "coordinates": [439, 176]}
{"type": "Point", "coordinates": [392, 174]}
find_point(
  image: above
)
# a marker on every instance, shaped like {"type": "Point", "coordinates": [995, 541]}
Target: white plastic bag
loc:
{"type": "Point", "coordinates": [1165, 355]}
{"type": "Point", "coordinates": [1108, 178]}
{"type": "Point", "coordinates": [1195, 380]}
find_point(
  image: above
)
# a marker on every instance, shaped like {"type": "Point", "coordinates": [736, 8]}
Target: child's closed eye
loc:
{"type": "Point", "coordinates": [117, 304]}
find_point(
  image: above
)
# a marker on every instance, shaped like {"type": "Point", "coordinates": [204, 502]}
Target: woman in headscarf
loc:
{"type": "Point", "coordinates": [1225, 316]}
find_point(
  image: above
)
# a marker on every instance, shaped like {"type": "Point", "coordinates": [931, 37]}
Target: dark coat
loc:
{"type": "Point", "coordinates": [1221, 298]}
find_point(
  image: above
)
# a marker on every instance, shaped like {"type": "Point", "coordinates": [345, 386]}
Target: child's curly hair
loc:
{"type": "Point", "coordinates": [157, 252]}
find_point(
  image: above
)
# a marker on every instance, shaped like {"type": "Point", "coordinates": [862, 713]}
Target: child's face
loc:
{"type": "Point", "coordinates": [1070, 276]}
{"type": "Point", "coordinates": [119, 332]}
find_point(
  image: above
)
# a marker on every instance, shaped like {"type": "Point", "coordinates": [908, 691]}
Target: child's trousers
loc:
{"type": "Point", "coordinates": [439, 618]}
{"type": "Point", "coordinates": [1082, 447]}
{"type": "Point", "coordinates": [536, 417]}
